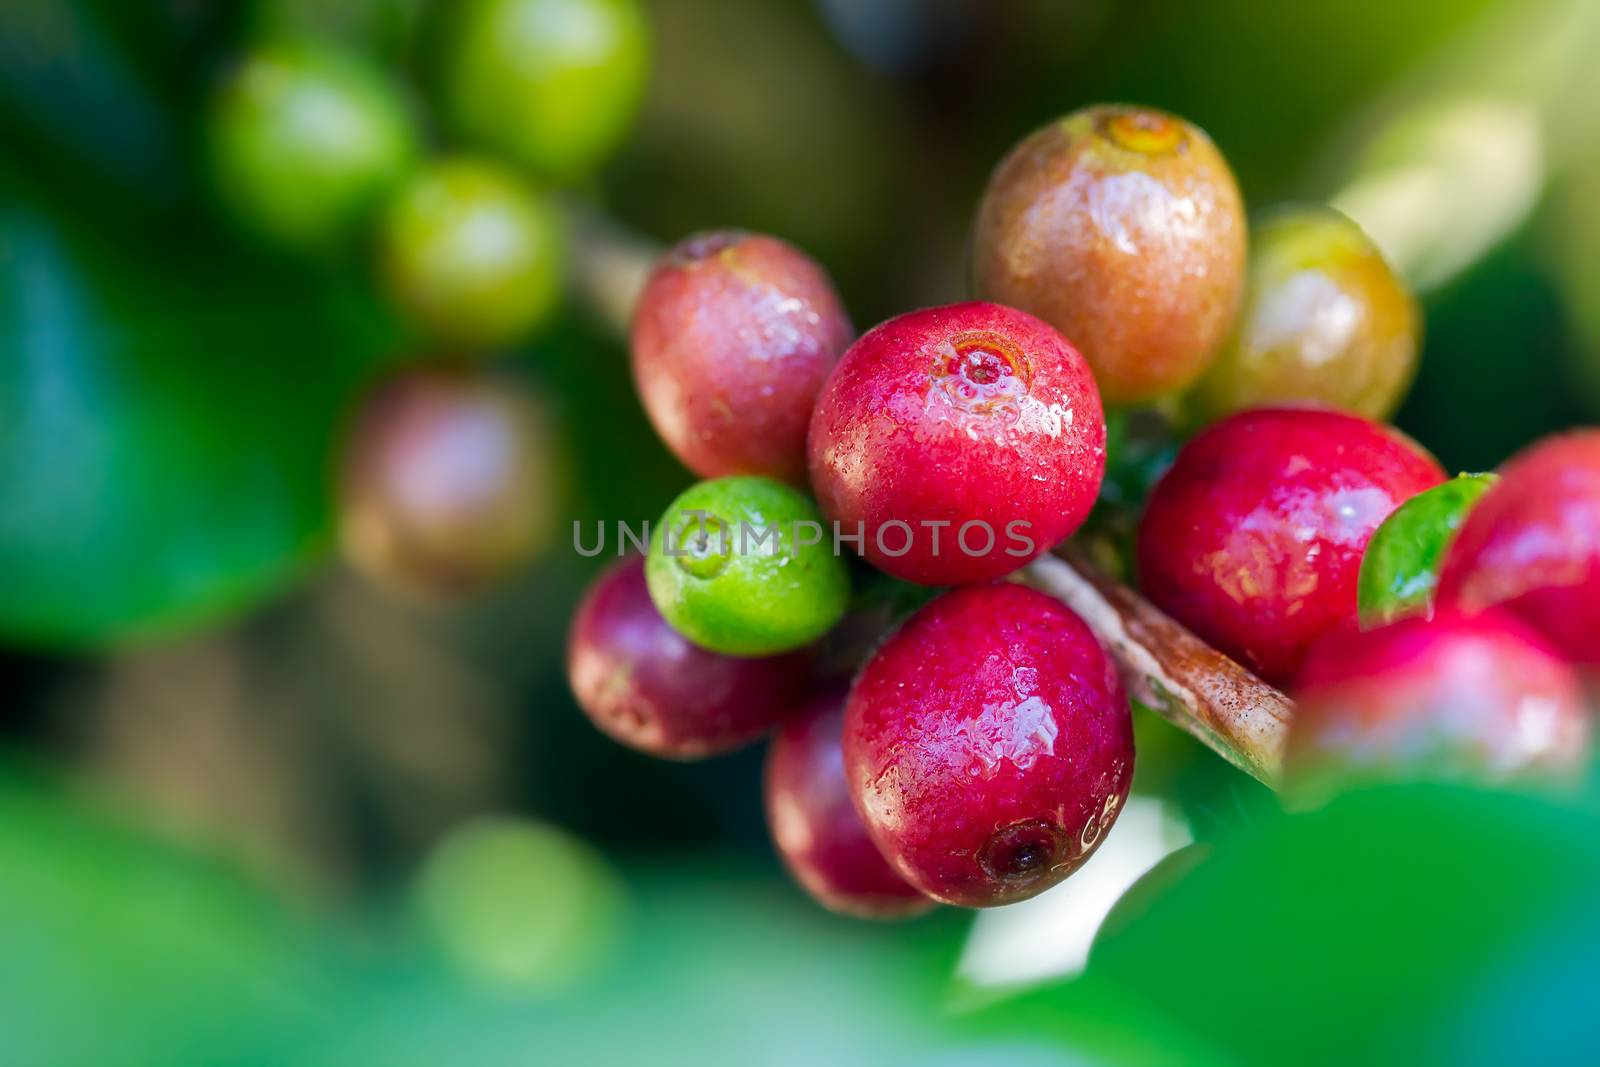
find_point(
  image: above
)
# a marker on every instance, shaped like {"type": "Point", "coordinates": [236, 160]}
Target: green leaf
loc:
{"type": "Point", "coordinates": [168, 412]}
{"type": "Point", "coordinates": [1402, 925]}
{"type": "Point", "coordinates": [175, 958]}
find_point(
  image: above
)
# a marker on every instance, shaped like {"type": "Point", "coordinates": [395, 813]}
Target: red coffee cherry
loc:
{"type": "Point", "coordinates": [989, 745]}
{"type": "Point", "coordinates": [1254, 538]}
{"type": "Point", "coordinates": [961, 441]}
{"type": "Point", "coordinates": [733, 337]}
{"type": "Point", "coordinates": [814, 823]}
{"type": "Point", "coordinates": [647, 687]}
{"type": "Point", "coordinates": [1477, 697]}
{"type": "Point", "coordinates": [1532, 546]}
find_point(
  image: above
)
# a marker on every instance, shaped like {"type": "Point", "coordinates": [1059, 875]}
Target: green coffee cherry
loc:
{"type": "Point", "coordinates": [1400, 569]}
{"type": "Point", "coordinates": [553, 84]}
{"type": "Point", "coordinates": [472, 254]}
{"type": "Point", "coordinates": [746, 566]}
{"type": "Point", "coordinates": [305, 142]}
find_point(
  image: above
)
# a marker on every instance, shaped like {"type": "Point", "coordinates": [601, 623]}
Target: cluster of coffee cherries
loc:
{"type": "Point", "coordinates": [977, 752]}
{"type": "Point", "coordinates": [317, 150]}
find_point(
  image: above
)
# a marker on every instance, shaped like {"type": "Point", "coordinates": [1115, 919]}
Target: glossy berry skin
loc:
{"type": "Point", "coordinates": [471, 254]}
{"type": "Point", "coordinates": [447, 483]}
{"type": "Point", "coordinates": [305, 141]}
{"type": "Point", "coordinates": [1325, 320]}
{"type": "Point", "coordinates": [815, 825]}
{"type": "Point", "coordinates": [1123, 228]}
{"type": "Point", "coordinates": [745, 567]}
{"type": "Point", "coordinates": [1254, 538]}
{"type": "Point", "coordinates": [1532, 545]}
{"type": "Point", "coordinates": [1400, 570]}
{"type": "Point", "coordinates": [989, 745]}
{"type": "Point", "coordinates": [733, 337]}
{"type": "Point", "coordinates": [977, 417]}
{"type": "Point", "coordinates": [648, 687]}
{"type": "Point", "coordinates": [1478, 697]}
{"type": "Point", "coordinates": [551, 84]}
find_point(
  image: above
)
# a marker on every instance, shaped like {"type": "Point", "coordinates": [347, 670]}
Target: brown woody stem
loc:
{"type": "Point", "coordinates": [1171, 671]}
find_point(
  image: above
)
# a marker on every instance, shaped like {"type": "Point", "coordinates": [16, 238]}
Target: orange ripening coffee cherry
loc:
{"type": "Point", "coordinates": [1123, 228]}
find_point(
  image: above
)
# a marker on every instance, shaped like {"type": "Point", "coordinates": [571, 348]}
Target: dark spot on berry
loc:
{"type": "Point", "coordinates": [1022, 851]}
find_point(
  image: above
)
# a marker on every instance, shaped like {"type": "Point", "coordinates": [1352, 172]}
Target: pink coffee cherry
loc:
{"type": "Point", "coordinates": [1478, 697]}
{"type": "Point", "coordinates": [646, 686]}
{"type": "Point", "coordinates": [989, 745]}
{"type": "Point", "coordinates": [1532, 545]}
{"type": "Point", "coordinates": [815, 826]}
{"type": "Point", "coordinates": [732, 338]}
{"type": "Point", "coordinates": [1254, 538]}
{"type": "Point", "coordinates": [976, 417]}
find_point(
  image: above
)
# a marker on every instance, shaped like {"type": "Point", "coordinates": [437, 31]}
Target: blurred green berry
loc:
{"type": "Point", "coordinates": [517, 903]}
{"type": "Point", "coordinates": [305, 141]}
{"type": "Point", "coordinates": [1400, 569]}
{"type": "Point", "coordinates": [472, 255]}
{"type": "Point", "coordinates": [553, 84]}
{"type": "Point", "coordinates": [745, 566]}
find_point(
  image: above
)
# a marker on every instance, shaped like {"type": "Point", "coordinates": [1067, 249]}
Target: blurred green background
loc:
{"type": "Point", "coordinates": [230, 764]}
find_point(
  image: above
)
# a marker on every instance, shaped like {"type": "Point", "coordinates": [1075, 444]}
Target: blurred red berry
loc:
{"type": "Point", "coordinates": [815, 826]}
{"type": "Point", "coordinates": [1532, 545]}
{"type": "Point", "coordinates": [1480, 697]}
{"type": "Point", "coordinates": [646, 686]}
{"type": "Point", "coordinates": [448, 482]}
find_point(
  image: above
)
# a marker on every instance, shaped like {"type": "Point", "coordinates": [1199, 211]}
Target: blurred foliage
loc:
{"type": "Point", "coordinates": [1405, 925]}
{"type": "Point", "coordinates": [165, 428]}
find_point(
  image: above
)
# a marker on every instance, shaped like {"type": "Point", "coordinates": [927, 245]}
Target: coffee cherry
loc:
{"type": "Point", "coordinates": [1254, 538]}
{"type": "Point", "coordinates": [745, 567]}
{"type": "Point", "coordinates": [814, 823]}
{"type": "Point", "coordinates": [1532, 545]}
{"type": "Point", "coordinates": [1122, 227]}
{"type": "Point", "coordinates": [1400, 569]}
{"type": "Point", "coordinates": [989, 745]}
{"type": "Point", "coordinates": [472, 254]}
{"type": "Point", "coordinates": [1325, 320]}
{"type": "Point", "coordinates": [645, 686]}
{"type": "Point", "coordinates": [1476, 697]}
{"type": "Point", "coordinates": [305, 141]}
{"type": "Point", "coordinates": [958, 442]}
{"type": "Point", "coordinates": [733, 337]}
{"type": "Point", "coordinates": [447, 483]}
{"type": "Point", "coordinates": [553, 84]}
